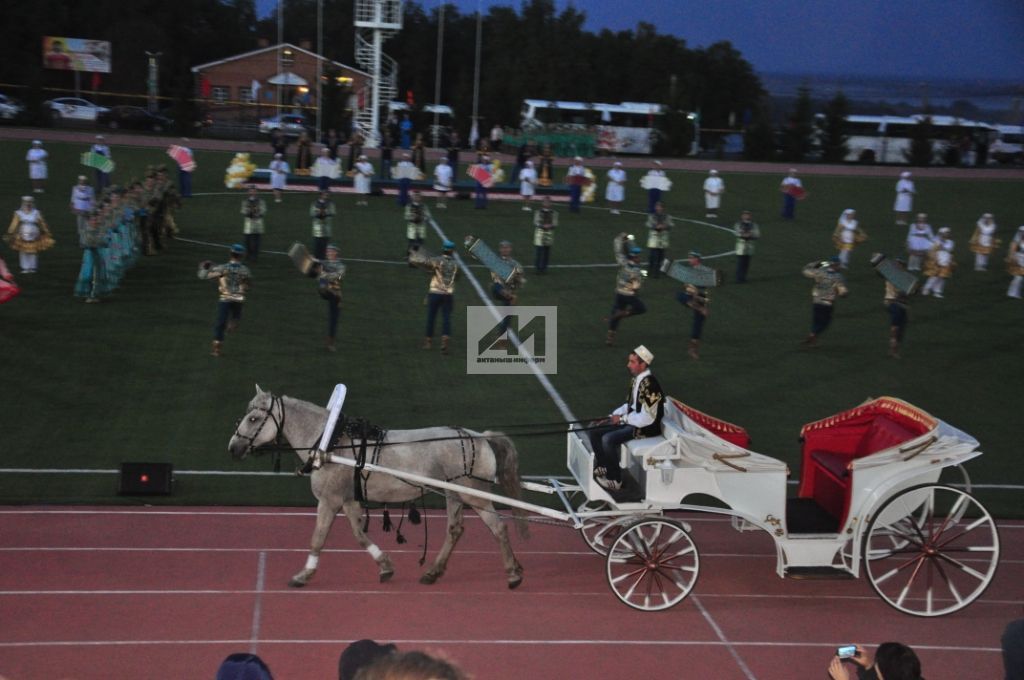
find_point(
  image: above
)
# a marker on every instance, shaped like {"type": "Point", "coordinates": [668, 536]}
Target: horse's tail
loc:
{"type": "Point", "coordinates": [507, 459]}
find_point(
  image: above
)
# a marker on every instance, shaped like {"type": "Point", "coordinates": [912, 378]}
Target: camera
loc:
{"type": "Point", "coordinates": [846, 651]}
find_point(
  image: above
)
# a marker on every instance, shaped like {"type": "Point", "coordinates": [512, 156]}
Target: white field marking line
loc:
{"type": "Point", "coordinates": [560, 403]}
{"type": "Point", "coordinates": [496, 641]}
{"type": "Point", "coordinates": [721, 636]}
{"type": "Point", "coordinates": [257, 608]}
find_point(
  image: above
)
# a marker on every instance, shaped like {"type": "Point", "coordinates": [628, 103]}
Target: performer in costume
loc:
{"type": "Point", "coordinates": [254, 210]}
{"type": "Point", "coordinates": [828, 285]}
{"type": "Point", "coordinates": [82, 201]}
{"type": "Point", "coordinates": [93, 281]}
{"type": "Point", "coordinates": [362, 179]}
{"type": "Point", "coordinates": [545, 219]}
{"type": "Point", "coordinates": [185, 176]}
{"type": "Point", "coordinates": [714, 187]}
{"type": "Point", "coordinates": [919, 240]}
{"type": "Point", "coordinates": [547, 167]}
{"type": "Point", "coordinates": [527, 184]}
{"type": "Point", "coordinates": [638, 418]}
{"type": "Point", "coordinates": [329, 274]}
{"type": "Point", "coordinates": [233, 282]}
{"type": "Point", "coordinates": [303, 154]}
{"type": "Point", "coordinates": [37, 171]}
{"type": "Point", "coordinates": [575, 178]}
{"type": "Point", "coordinates": [847, 234]}
{"type": "Point", "coordinates": [278, 175]}
{"type": "Point", "coordinates": [984, 241]}
{"type": "Point", "coordinates": [102, 178]}
{"type": "Point", "coordinates": [441, 292]}
{"type": "Point", "coordinates": [747, 231]}
{"type": "Point", "coordinates": [442, 182]}
{"type": "Point", "coordinates": [654, 192]}
{"type": "Point", "coordinates": [417, 216]}
{"type": "Point", "coordinates": [170, 202]}
{"type": "Point", "coordinates": [659, 224]}
{"type": "Point", "coordinates": [325, 169]}
{"type": "Point", "coordinates": [1015, 264]}
{"type": "Point", "coordinates": [897, 303]}
{"type": "Point", "coordinates": [791, 187]}
{"type": "Point", "coordinates": [506, 292]}
{"type": "Point", "coordinates": [904, 198]}
{"type": "Point", "coordinates": [627, 285]}
{"type": "Point", "coordinates": [939, 264]}
{"type": "Point", "coordinates": [322, 212]}
{"type": "Point", "coordinates": [29, 235]}
{"type": "Point", "coordinates": [698, 299]}
{"type": "Point", "coordinates": [615, 190]}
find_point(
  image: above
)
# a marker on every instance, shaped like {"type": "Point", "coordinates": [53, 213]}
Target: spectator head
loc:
{"type": "Point", "coordinates": [361, 653]}
{"type": "Point", "coordinates": [896, 661]}
{"type": "Point", "coordinates": [243, 667]}
{"type": "Point", "coordinates": [410, 666]}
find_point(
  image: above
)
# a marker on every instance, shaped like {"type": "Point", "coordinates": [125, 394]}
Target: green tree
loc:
{"type": "Point", "coordinates": [759, 136]}
{"type": "Point", "coordinates": [833, 142]}
{"type": "Point", "coordinates": [798, 137]}
{"type": "Point", "coordinates": [921, 150]}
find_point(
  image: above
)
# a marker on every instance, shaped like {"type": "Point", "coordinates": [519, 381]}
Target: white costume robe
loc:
{"type": "Point", "coordinates": [904, 196]}
{"type": "Point", "coordinates": [615, 190]}
{"type": "Point", "coordinates": [527, 181]}
{"type": "Point", "coordinates": [714, 186]}
{"type": "Point", "coordinates": [363, 176]}
{"type": "Point", "coordinates": [279, 170]}
{"type": "Point", "coordinates": [443, 177]}
{"type": "Point", "coordinates": [36, 163]}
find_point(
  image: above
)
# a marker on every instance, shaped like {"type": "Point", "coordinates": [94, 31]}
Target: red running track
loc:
{"type": "Point", "coordinates": [144, 592]}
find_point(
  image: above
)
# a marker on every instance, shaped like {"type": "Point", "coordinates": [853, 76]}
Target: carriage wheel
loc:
{"type": "Point", "coordinates": [931, 550]}
{"type": "Point", "coordinates": [653, 564]}
{"type": "Point", "coordinates": [955, 475]}
{"type": "Point", "coordinates": [601, 532]}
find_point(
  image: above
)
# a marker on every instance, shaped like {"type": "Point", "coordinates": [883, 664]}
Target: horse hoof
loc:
{"type": "Point", "coordinates": [294, 583]}
{"type": "Point", "coordinates": [385, 576]}
{"type": "Point", "coordinates": [428, 579]}
{"type": "Point", "coordinates": [512, 585]}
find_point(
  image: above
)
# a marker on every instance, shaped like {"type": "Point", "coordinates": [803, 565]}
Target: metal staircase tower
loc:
{"type": "Point", "coordinates": [376, 21]}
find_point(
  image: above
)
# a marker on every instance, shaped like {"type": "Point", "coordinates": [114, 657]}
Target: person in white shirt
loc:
{"type": "Point", "coordinates": [362, 178]}
{"type": "Point", "coordinates": [36, 158]}
{"type": "Point", "coordinates": [714, 187]}
{"type": "Point", "coordinates": [575, 177]}
{"type": "Point", "coordinates": [325, 169]}
{"type": "Point", "coordinates": [615, 190]}
{"type": "Point", "coordinates": [791, 187]}
{"type": "Point", "coordinates": [940, 263]}
{"type": "Point", "coordinates": [847, 234]}
{"type": "Point", "coordinates": [984, 241]}
{"type": "Point", "coordinates": [527, 184]}
{"type": "Point", "coordinates": [102, 178]}
{"type": "Point", "coordinates": [443, 181]}
{"type": "Point", "coordinates": [904, 198]}
{"type": "Point", "coordinates": [82, 197]}
{"type": "Point", "coordinates": [919, 240]}
{"type": "Point", "coordinates": [279, 170]}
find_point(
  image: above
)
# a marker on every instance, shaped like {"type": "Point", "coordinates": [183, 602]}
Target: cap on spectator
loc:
{"type": "Point", "coordinates": [238, 249]}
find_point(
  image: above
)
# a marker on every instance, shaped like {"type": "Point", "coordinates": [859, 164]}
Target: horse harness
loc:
{"type": "Point", "coordinates": [268, 416]}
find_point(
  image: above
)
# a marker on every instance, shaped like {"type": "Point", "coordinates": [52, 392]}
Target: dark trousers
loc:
{"type": "Point", "coordinates": [226, 310]}
{"type": "Point", "coordinates": [403, 191]}
{"type": "Point", "coordinates": [575, 194]}
{"type": "Point", "coordinates": [653, 196]}
{"type": "Point", "coordinates": [625, 302]}
{"type": "Point", "coordinates": [102, 181]}
{"type": "Point", "coordinates": [435, 302]}
{"type": "Point", "coordinates": [788, 207]}
{"type": "Point", "coordinates": [320, 247]}
{"type": "Point", "coordinates": [742, 267]}
{"type": "Point", "coordinates": [480, 196]}
{"type": "Point", "coordinates": [333, 312]}
{"type": "Point", "coordinates": [898, 319]}
{"type": "Point", "coordinates": [821, 317]}
{"type": "Point", "coordinates": [252, 246]}
{"type": "Point", "coordinates": [540, 262]}
{"type": "Point", "coordinates": [606, 442]}
{"type": "Point", "coordinates": [323, 183]}
{"type": "Point", "coordinates": [185, 183]}
{"type": "Point", "coordinates": [654, 261]}
{"type": "Point", "coordinates": [503, 298]}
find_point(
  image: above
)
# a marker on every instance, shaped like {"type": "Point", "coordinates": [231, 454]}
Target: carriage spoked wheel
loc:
{"type": "Point", "coordinates": [955, 475]}
{"type": "Point", "coordinates": [601, 532]}
{"type": "Point", "coordinates": [931, 550]}
{"type": "Point", "coordinates": [652, 564]}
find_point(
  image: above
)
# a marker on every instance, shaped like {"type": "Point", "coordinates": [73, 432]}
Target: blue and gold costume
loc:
{"type": "Point", "coordinates": [233, 282]}
{"type": "Point", "coordinates": [627, 284]}
{"type": "Point", "coordinates": [828, 285]}
{"type": "Point", "coordinates": [545, 220]}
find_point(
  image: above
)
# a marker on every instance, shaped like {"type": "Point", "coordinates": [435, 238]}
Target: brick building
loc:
{"type": "Point", "coordinates": [284, 77]}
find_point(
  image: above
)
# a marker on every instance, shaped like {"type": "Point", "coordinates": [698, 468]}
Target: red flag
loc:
{"type": "Point", "coordinates": [205, 89]}
{"type": "Point", "coordinates": [409, 99]}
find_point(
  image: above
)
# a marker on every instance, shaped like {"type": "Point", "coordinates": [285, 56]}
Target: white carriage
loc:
{"type": "Point", "coordinates": [871, 499]}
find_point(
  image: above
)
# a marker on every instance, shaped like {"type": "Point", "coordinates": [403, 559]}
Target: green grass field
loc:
{"type": "Point", "coordinates": [89, 386]}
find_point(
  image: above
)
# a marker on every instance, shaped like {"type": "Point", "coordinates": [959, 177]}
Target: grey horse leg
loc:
{"type": "Point", "coordinates": [489, 515]}
{"type": "Point", "coordinates": [325, 514]}
{"type": "Point", "coordinates": [451, 538]}
{"type": "Point", "coordinates": [354, 513]}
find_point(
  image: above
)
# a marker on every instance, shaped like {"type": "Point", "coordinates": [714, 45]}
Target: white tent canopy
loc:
{"type": "Point", "coordinates": [287, 78]}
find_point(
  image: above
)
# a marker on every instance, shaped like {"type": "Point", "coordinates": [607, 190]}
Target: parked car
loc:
{"type": "Point", "coordinates": [9, 108]}
{"type": "Point", "coordinates": [291, 124]}
{"type": "Point", "coordinates": [73, 108]}
{"type": "Point", "coordinates": [134, 118]}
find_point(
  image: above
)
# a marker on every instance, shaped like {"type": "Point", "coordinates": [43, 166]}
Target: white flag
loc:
{"type": "Point", "coordinates": [255, 90]}
{"type": "Point", "coordinates": [474, 135]}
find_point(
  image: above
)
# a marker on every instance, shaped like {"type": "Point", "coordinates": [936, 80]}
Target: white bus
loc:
{"type": "Point", "coordinates": [886, 139]}
{"type": "Point", "coordinates": [629, 127]}
{"type": "Point", "coordinates": [1009, 147]}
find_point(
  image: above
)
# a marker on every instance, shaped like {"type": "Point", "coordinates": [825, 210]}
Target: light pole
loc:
{"type": "Point", "coordinates": [151, 79]}
{"type": "Point", "coordinates": [695, 146]}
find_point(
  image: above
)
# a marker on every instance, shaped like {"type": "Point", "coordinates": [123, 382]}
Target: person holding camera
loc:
{"type": "Point", "coordinates": [892, 661]}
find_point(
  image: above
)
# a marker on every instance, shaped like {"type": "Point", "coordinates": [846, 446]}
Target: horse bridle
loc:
{"type": "Point", "coordinates": [268, 417]}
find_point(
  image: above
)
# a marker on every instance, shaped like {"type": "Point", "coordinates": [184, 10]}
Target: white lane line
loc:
{"type": "Point", "coordinates": [496, 641]}
{"type": "Point", "coordinates": [724, 640]}
{"type": "Point", "coordinates": [257, 608]}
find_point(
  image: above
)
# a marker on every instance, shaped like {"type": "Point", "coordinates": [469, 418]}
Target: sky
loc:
{"type": "Point", "coordinates": [961, 39]}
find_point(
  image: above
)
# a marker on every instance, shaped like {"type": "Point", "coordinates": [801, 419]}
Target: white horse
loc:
{"type": "Point", "coordinates": [463, 457]}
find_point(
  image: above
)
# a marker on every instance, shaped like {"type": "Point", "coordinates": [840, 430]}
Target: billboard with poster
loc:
{"type": "Point", "coordinates": [76, 54]}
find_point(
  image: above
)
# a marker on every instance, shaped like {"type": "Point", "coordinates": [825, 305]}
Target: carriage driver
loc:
{"type": "Point", "coordinates": [639, 417]}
